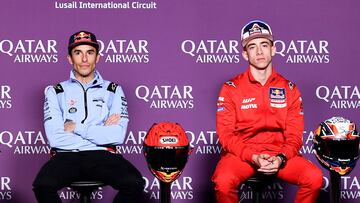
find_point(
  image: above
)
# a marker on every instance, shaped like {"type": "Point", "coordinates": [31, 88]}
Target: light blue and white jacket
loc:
{"type": "Point", "coordinates": [88, 106]}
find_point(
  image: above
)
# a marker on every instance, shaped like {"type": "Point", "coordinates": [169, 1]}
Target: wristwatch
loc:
{"type": "Point", "coordinates": [283, 158]}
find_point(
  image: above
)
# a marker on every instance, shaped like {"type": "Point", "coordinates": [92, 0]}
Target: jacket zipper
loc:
{"type": "Point", "coordinates": [85, 102]}
{"type": "Point", "coordinates": [85, 98]}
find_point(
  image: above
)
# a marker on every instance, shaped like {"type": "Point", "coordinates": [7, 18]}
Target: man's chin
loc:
{"type": "Point", "coordinates": [261, 66]}
{"type": "Point", "coordinates": [85, 75]}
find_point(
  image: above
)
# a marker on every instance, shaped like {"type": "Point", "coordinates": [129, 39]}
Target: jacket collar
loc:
{"type": "Point", "coordinates": [98, 80]}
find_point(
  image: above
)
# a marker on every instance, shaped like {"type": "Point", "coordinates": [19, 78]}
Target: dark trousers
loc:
{"type": "Point", "coordinates": [66, 167]}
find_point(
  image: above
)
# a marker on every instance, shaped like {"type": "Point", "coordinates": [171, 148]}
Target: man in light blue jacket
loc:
{"type": "Point", "coordinates": [85, 117]}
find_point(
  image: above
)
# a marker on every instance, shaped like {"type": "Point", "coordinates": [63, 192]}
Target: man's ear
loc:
{"type": "Point", "coordinates": [97, 58]}
{"type": "Point", "coordinates": [245, 55]}
{"type": "Point", "coordinates": [273, 50]}
{"type": "Point", "coordinates": [70, 59]}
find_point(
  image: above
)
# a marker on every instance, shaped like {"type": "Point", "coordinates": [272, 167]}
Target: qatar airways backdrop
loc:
{"type": "Point", "coordinates": [171, 58]}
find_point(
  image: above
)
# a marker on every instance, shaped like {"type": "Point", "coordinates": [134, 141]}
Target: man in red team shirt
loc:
{"type": "Point", "coordinates": [260, 123]}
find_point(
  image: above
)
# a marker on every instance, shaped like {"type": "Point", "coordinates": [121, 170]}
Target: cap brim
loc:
{"type": "Point", "coordinates": [254, 36]}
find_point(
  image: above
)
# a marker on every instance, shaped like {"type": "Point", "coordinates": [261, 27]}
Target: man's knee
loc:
{"type": "Point", "coordinates": [46, 184]}
{"type": "Point", "coordinates": [314, 179]}
{"type": "Point", "coordinates": [224, 185]}
{"type": "Point", "coordinates": [132, 183]}
{"type": "Point", "coordinates": [138, 183]}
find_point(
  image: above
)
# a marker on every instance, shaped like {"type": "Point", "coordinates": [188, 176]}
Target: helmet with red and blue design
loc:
{"type": "Point", "coordinates": [336, 145]}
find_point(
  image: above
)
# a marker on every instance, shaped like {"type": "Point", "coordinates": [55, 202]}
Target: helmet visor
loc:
{"type": "Point", "coordinates": [340, 149]}
{"type": "Point", "coordinates": [166, 159]}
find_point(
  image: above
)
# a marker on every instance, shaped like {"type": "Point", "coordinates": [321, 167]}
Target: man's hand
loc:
{"type": "Point", "coordinates": [260, 160]}
{"type": "Point", "coordinates": [69, 126]}
{"type": "Point", "coordinates": [113, 120]}
{"type": "Point", "coordinates": [272, 167]}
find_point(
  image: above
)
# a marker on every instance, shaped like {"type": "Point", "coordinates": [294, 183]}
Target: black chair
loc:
{"type": "Point", "coordinates": [85, 188]}
{"type": "Point", "coordinates": [257, 183]}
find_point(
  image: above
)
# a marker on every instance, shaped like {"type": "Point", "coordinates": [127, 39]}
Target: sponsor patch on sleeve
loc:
{"type": "Point", "coordinates": [220, 108]}
{"type": "Point", "coordinates": [58, 88]}
{"type": "Point", "coordinates": [291, 85]}
{"type": "Point", "coordinates": [220, 104]}
{"type": "Point", "coordinates": [112, 87]}
{"type": "Point", "coordinates": [231, 83]}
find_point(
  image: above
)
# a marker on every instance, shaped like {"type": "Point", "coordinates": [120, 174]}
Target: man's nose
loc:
{"type": "Point", "coordinates": [259, 51]}
{"type": "Point", "coordinates": [84, 58]}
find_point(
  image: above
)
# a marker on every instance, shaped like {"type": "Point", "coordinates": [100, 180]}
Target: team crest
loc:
{"type": "Point", "coordinates": [72, 110]}
{"type": "Point", "coordinates": [277, 97]}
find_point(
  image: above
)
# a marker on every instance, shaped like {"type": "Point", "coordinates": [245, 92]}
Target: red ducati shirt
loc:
{"type": "Point", "coordinates": [253, 118]}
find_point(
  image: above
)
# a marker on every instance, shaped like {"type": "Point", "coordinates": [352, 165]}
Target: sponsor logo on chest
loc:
{"type": "Point", "coordinates": [277, 97]}
{"type": "Point", "coordinates": [72, 103]}
{"type": "Point", "coordinates": [248, 103]}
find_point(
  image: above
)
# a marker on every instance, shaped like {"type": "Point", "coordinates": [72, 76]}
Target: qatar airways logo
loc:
{"type": "Point", "coordinates": [212, 50]}
{"type": "Point", "coordinates": [69, 194]}
{"type": "Point", "coordinates": [5, 97]}
{"type": "Point", "coordinates": [25, 142]}
{"type": "Point", "coordinates": [181, 188]}
{"type": "Point", "coordinates": [339, 96]}
{"type": "Point", "coordinates": [204, 142]}
{"type": "Point", "coordinates": [124, 51]}
{"type": "Point", "coordinates": [307, 147]}
{"type": "Point", "coordinates": [133, 143]}
{"type": "Point", "coordinates": [273, 191]}
{"type": "Point", "coordinates": [30, 50]}
{"type": "Point", "coordinates": [350, 187]}
{"type": "Point", "coordinates": [5, 188]}
{"type": "Point", "coordinates": [303, 51]}
{"type": "Point", "coordinates": [166, 96]}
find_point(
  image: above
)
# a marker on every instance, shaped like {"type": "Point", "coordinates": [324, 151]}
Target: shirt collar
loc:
{"type": "Point", "coordinates": [271, 78]}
